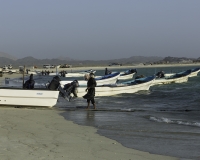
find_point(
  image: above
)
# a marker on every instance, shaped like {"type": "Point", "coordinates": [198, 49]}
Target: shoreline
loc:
{"type": "Point", "coordinates": [45, 134]}
{"type": "Point", "coordinates": [111, 148]}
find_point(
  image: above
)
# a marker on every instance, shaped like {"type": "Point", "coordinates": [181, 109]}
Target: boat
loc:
{"type": "Point", "coordinates": [25, 97]}
{"type": "Point", "coordinates": [194, 72]}
{"type": "Point", "coordinates": [35, 72]}
{"type": "Point", "coordinates": [101, 80]}
{"type": "Point", "coordinates": [128, 74]}
{"type": "Point", "coordinates": [79, 74]}
{"type": "Point", "coordinates": [173, 78]}
{"type": "Point", "coordinates": [119, 88]}
{"type": "Point", "coordinates": [45, 97]}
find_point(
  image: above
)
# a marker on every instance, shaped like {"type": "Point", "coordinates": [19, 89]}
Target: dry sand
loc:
{"type": "Point", "coordinates": [32, 134]}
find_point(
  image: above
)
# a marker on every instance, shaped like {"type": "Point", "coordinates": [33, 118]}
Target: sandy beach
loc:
{"type": "Point", "coordinates": [44, 134]}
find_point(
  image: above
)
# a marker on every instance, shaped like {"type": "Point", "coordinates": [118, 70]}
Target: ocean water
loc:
{"type": "Point", "coordinates": [164, 120]}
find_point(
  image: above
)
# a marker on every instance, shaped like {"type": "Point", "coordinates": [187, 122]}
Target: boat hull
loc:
{"type": "Point", "coordinates": [168, 81]}
{"type": "Point", "coordinates": [193, 74]}
{"type": "Point", "coordinates": [115, 89]}
{"type": "Point", "coordinates": [124, 77]}
{"type": "Point", "coordinates": [22, 97]}
{"type": "Point", "coordinates": [99, 81]}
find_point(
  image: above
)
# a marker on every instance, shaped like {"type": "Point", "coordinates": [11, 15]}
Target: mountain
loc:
{"type": "Point", "coordinates": [6, 55]}
{"type": "Point", "coordinates": [31, 61]}
{"type": "Point", "coordinates": [176, 60]}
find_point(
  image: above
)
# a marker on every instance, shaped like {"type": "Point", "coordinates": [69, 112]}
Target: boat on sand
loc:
{"type": "Point", "coordinates": [25, 97]}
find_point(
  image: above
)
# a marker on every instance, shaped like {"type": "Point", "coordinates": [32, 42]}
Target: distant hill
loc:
{"type": "Point", "coordinates": [176, 60]}
{"type": "Point", "coordinates": [31, 61]}
{"type": "Point", "coordinates": [6, 55]}
{"type": "Point", "coordinates": [134, 60]}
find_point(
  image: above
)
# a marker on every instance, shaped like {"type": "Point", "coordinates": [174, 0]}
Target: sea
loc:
{"type": "Point", "coordinates": [164, 120]}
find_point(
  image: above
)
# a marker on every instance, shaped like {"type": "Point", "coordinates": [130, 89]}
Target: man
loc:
{"type": "Point", "coordinates": [91, 84]}
{"type": "Point", "coordinates": [29, 84]}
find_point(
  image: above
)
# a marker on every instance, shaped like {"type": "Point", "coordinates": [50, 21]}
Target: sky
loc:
{"type": "Point", "coordinates": [100, 29]}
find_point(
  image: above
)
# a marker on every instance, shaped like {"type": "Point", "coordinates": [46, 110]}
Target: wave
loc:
{"type": "Point", "coordinates": [179, 122]}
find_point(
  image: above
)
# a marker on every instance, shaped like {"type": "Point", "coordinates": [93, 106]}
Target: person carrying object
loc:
{"type": "Point", "coordinates": [29, 84]}
{"type": "Point", "coordinates": [71, 88]}
{"type": "Point", "coordinates": [91, 84]}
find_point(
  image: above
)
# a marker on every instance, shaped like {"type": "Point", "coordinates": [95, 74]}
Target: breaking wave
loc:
{"type": "Point", "coordinates": [179, 122]}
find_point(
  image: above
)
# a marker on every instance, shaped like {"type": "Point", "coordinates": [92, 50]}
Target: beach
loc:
{"type": "Point", "coordinates": [39, 133]}
{"type": "Point", "coordinates": [44, 134]}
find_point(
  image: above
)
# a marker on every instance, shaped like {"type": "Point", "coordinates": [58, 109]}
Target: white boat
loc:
{"type": "Point", "coordinates": [79, 74]}
{"type": "Point", "coordinates": [180, 77]}
{"type": "Point", "coordinates": [114, 89]}
{"type": "Point", "coordinates": [194, 72]}
{"type": "Point", "coordinates": [9, 71]}
{"type": "Point", "coordinates": [101, 80]}
{"type": "Point", "coordinates": [34, 72]}
{"type": "Point", "coordinates": [24, 97]}
{"type": "Point", "coordinates": [128, 74]}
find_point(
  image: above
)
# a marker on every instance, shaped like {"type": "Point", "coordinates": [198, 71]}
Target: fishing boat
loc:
{"type": "Point", "coordinates": [194, 72]}
{"type": "Point", "coordinates": [101, 80]}
{"type": "Point", "coordinates": [120, 88]}
{"type": "Point", "coordinates": [128, 74]}
{"type": "Point", "coordinates": [25, 97]}
{"type": "Point", "coordinates": [173, 78]}
{"type": "Point", "coordinates": [45, 97]}
{"type": "Point", "coordinates": [79, 74]}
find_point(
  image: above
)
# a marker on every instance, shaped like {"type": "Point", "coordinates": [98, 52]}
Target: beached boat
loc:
{"type": "Point", "coordinates": [173, 78]}
{"type": "Point", "coordinates": [114, 89]}
{"type": "Point", "coordinates": [79, 74]}
{"type": "Point", "coordinates": [128, 74]}
{"type": "Point", "coordinates": [25, 97]}
{"type": "Point", "coordinates": [101, 80]}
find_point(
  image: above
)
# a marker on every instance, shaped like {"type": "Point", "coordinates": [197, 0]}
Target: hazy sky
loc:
{"type": "Point", "coordinates": [100, 29]}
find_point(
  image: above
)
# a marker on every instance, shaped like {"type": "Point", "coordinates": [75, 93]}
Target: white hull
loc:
{"type": "Point", "coordinates": [111, 80]}
{"type": "Point", "coordinates": [9, 71]}
{"type": "Point", "coordinates": [80, 74]}
{"type": "Point", "coordinates": [168, 81]}
{"type": "Point", "coordinates": [24, 97]}
{"type": "Point", "coordinates": [193, 74]}
{"type": "Point", "coordinates": [114, 90]}
{"type": "Point", "coordinates": [33, 72]}
{"type": "Point", "coordinates": [75, 74]}
{"type": "Point", "coordinates": [54, 74]}
{"type": "Point", "coordinates": [124, 77]}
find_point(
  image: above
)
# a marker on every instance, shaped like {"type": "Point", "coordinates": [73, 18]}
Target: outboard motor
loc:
{"type": "Point", "coordinates": [55, 85]}
{"type": "Point", "coordinates": [71, 88]}
{"type": "Point", "coordinates": [160, 74]}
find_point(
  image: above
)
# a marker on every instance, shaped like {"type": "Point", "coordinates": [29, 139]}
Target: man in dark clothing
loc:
{"type": "Point", "coordinates": [107, 71]}
{"type": "Point", "coordinates": [91, 84]}
{"type": "Point", "coordinates": [29, 84]}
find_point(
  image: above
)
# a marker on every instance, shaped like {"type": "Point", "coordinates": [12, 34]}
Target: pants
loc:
{"type": "Point", "coordinates": [92, 100]}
